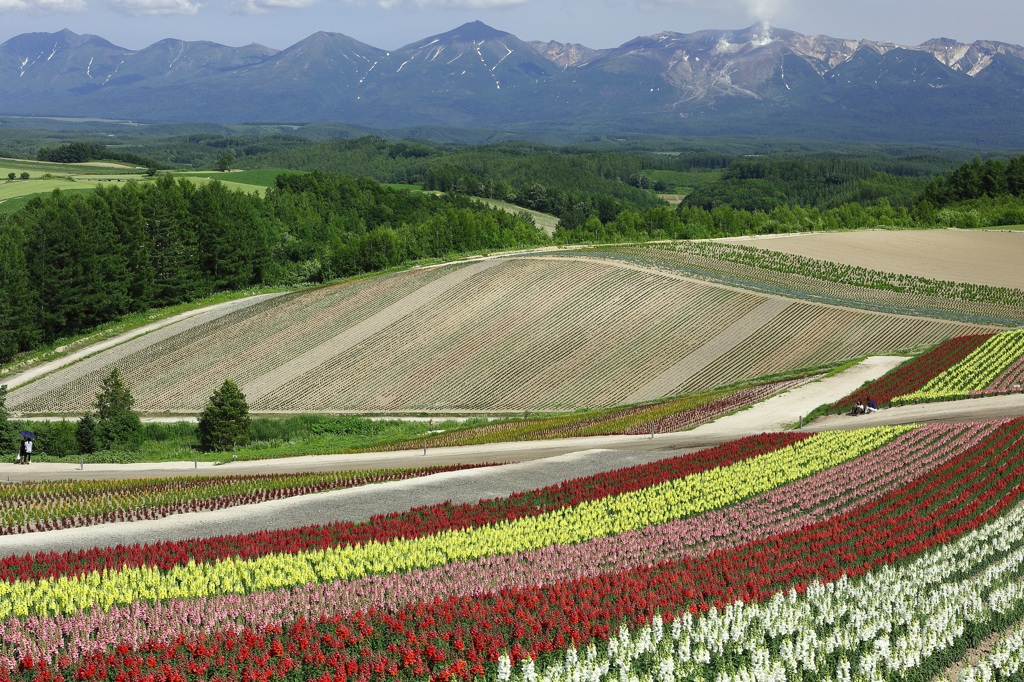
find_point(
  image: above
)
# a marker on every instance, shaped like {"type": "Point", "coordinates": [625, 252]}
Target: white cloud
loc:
{"type": "Point", "coordinates": [143, 8]}
{"type": "Point", "coordinates": [762, 10]}
{"type": "Point", "coordinates": [450, 4]}
{"type": "Point", "coordinates": [256, 6]}
{"type": "Point", "coordinates": [766, 10]}
{"type": "Point", "coordinates": [42, 6]}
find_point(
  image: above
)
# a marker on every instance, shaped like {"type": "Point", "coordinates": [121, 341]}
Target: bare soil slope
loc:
{"type": "Point", "coordinates": [503, 334]}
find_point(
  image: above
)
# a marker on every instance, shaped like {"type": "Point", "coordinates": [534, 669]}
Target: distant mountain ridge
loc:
{"type": "Point", "coordinates": [758, 80]}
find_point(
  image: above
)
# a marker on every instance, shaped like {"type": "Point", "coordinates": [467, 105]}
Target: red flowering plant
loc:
{"type": "Point", "coordinates": [462, 636]}
{"type": "Point", "coordinates": [913, 374]}
{"type": "Point", "coordinates": [418, 522]}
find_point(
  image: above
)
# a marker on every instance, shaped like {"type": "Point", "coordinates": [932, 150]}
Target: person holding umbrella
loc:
{"type": "Point", "coordinates": [25, 454]}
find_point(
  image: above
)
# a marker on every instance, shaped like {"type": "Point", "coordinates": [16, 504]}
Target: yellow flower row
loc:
{"type": "Point", "coordinates": [616, 514]}
{"type": "Point", "coordinates": [975, 372]}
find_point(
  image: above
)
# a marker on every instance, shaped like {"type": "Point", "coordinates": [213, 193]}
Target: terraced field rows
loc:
{"type": "Point", "coordinates": [513, 334]}
{"type": "Point", "coordinates": [560, 335]}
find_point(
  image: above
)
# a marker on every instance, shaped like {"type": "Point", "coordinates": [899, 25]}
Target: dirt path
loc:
{"type": "Point", "coordinates": [992, 407]}
{"type": "Point", "coordinates": [538, 463]}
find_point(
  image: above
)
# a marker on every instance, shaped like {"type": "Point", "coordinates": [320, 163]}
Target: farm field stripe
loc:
{"type": "Point", "coordinates": [313, 357]}
{"type": "Point", "coordinates": [783, 509]}
{"type": "Point", "coordinates": [417, 522]}
{"type": "Point", "coordinates": [915, 373]}
{"type": "Point", "coordinates": [29, 507]}
{"type": "Point", "coordinates": [1010, 380]}
{"type": "Point", "coordinates": [402, 354]}
{"type": "Point", "coordinates": [616, 514]}
{"type": "Point", "coordinates": [730, 337]}
{"type": "Point", "coordinates": [527, 622]}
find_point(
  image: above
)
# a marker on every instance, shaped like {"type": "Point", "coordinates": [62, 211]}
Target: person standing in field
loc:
{"type": "Point", "coordinates": [26, 450]}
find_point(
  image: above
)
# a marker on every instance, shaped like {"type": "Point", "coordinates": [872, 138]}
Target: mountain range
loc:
{"type": "Point", "coordinates": [760, 80]}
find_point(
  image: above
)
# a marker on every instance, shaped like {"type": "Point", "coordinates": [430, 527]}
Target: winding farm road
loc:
{"type": "Point", "coordinates": [537, 464]}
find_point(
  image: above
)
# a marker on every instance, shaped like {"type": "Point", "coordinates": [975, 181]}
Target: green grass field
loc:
{"type": "Point", "coordinates": [263, 177]}
{"type": "Point", "coordinates": [684, 182]}
{"type": "Point", "coordinates": [544, 221]}
{"type": "Point", "coordinates": [46, 177]}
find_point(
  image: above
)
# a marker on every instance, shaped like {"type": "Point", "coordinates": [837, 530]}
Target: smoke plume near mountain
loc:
{"type": "Point", "coordinates": [768, 11]}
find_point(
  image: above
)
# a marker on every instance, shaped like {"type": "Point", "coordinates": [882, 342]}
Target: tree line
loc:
{"type": "Point", "coordinates": [977, 179]}
{"type": "Point", "coordinates": [70, 261]}
{"type": "Point", "coordinates": [83, 152]}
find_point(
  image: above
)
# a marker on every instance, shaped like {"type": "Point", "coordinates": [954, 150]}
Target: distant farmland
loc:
{"type": "Point", "coordinates": [512, 334]}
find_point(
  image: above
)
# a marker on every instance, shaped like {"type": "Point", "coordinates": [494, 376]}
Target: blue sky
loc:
{"type": "Point", "coordinates": [390, 24]}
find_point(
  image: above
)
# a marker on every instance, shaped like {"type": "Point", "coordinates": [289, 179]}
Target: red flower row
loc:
{"type": "Point", "coordinates": [462, 637]}
{"type": "Point", "coordinates": [414, 523]}
{"type": "Point", "coordinates": [913, 374]}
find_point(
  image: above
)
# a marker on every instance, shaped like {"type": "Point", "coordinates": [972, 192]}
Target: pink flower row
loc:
{"type": "Point", "coordinates": [790, 507]}
{"type": "Point", "coordinates": [1010, 381]}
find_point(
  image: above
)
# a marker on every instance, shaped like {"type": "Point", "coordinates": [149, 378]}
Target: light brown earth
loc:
{"type": "Point", "coordinates": [974, 256]}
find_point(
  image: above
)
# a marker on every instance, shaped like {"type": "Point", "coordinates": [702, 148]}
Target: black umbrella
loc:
{"type": "Point", "coordinates": [27, 434]}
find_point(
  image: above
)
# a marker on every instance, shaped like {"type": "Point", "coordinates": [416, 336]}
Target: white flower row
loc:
{"type": "Point", "coordinates": [1005, 660]}
{"type": "Point", "coordinates": [883, 626]}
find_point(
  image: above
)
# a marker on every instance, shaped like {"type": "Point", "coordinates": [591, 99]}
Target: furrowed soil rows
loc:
{"type": "Point", "coordinates": [539, 344]}
{"type": "Point", "coordinates": [173, 369]}
{"type": "Point", "coordinates": [807, 335]}
{"type": "Point", "coordinates": [61, 388]}
{"type": "Point", "coordinates": [550, 333]}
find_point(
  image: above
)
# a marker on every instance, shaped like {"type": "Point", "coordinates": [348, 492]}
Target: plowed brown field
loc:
{"type": "Point", "coordinates": [975, 256]}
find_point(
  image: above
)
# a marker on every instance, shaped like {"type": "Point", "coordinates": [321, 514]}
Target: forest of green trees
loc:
{"type": "Point", "coordinates": [82, 152]}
